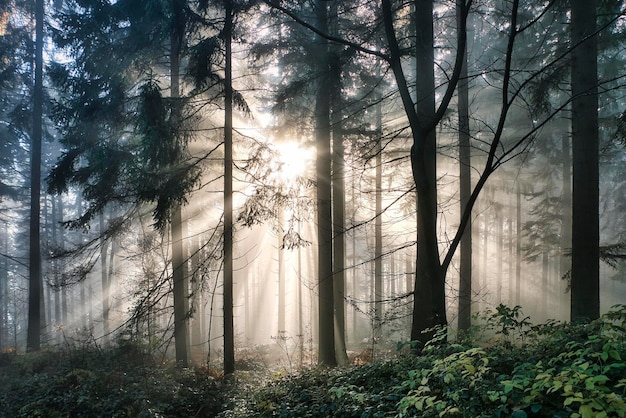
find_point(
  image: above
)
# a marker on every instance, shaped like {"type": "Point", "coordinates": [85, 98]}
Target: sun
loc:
{"type": "Point", "coordinates": [294, 159]}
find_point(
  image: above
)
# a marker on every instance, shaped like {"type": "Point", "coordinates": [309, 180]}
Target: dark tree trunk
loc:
{"type": "Point", "coordinates": [518, 246]}
{"type": "Point", "coordinates": [378, 228]}
{"type": "Point", "coordinates": [104, 279]}
{"type": "Point", "coordinates": [4, 290]}
{"type": "Point", "coordinates": [179, 274]}
{"type": "Point", "coordinates": [565, 263]}
{"type": "Point", "coordinates": [33, 338]}
{"type": "Point", "coordinates": [499, 251]}
{"type": "Point", "coordinates": [585, 195]}
{"type": "Point", "coordinates": [229, 333]}
{"type": "Point", "coordinates": [465, 190]}
{"type": "Point", "coordinates": [324, 210]}
{"type": "Point", "coordinates": [429, 300]}
{"type": "Point", "coordinates": [338, 199]}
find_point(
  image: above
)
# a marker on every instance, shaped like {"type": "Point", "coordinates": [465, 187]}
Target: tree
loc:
{"type": "Point", "coordinates": [338, 193]}
{"type": "Point", "coordinates": [465, 188]}
{"type": "Point", "coordinates": [179, 265]}
{"type": "Point", "coordinates": [35, 284]}
{"type": "Point", "coordinates": [585, 281]}
{"type": "Point", "coordinates": [229, 337]}
{"type": "Point", "coordinates": [324, 210]}
{"type": "Point", "coordinates": [128, 148]}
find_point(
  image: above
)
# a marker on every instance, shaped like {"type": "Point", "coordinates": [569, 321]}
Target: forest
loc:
{"type": "Point", "coordinates": [320, 208]}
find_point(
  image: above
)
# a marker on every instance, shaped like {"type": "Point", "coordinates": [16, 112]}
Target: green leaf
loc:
{"type": "Point", "coordinates": [586, 411]}
{"type": "Point", "coordinates": [518, 413]}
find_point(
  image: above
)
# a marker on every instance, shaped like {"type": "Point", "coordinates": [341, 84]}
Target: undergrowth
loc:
{"type": "Point", "coordinates": [549, 370]}
{"type": "Point", "coordinates": [502, 367]}
{"type": "Point", "coordinates": [120, 382]}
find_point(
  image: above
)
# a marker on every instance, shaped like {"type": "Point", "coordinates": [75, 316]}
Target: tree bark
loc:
{"type": "Point", "coordinates": [565, 263]}
{"type": "Point", "coordinates": [378, 229]}
{"type": "Point", "coordinates": [4, 290]}
{"type": "Point", "coordinates": [465, 189]}
{"type": "Point", "coordinates": [324, 210]}
{"type": "Point", "coordinates": [338, 199]}
{"type": "Point", "coordinates": [104, 279]}
{"type": "Point", "coordinates": [179, 276]}
{"type": "Point", "coordinates": [229, 334]}
{"type": "Point", "coordinates": [33, 338]}
{"type": "Point", "coordinates": [429, 299]}
{"type": "Point", "coordinates": [585, 285]}
{"type": "Point", "coordinates": [281, 275]}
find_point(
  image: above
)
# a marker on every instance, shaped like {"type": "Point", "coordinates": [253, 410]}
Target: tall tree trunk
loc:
{"type": "Point", "coordinates": [429, 301]}
{"type": "Point", "coordinates": [300, 300]}
{"type": "Point", "coordinates": [33, 338]}
{"type": "Point", "coordinates": [179, 276]}
{"type": "Point", "coordinates": [518, 246]}
{"type": "Point", "coordinates": [499, 247]}
{"type": "Point", "coordinates": [465, 189]}
{"type": "Point", "coordinates": [585, 186]}
{"type": "Point", "coordinates": [229, 334]}
{"type": "Point", "coordinates": [545, 285]}
{"type": "Point", "coordinates": [4, 290]}
{"type": "Point", "coordinates": [104, 280]}
{"type": "Point", "coordinates": [324, 210]}
{"type": "Point", "coordinates": [565, 263]}
{"type": "Point", "coordinates": [281, 275]}
{"type": "Point", "coordinates": [484, 270]}
{"type": "Point", "coordinates": [378, 228]}
{"type": "Point", "coordinates": [84, 323]}
{"type": "Point", "coordinates": [511, 238]}
{"type": "Point", "coordinates": [338, 203]}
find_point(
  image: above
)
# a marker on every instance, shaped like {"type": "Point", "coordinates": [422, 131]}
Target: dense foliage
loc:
{"type": "Point", "coordinates": [556, 370]}
{"type": "Point", "coordinates": [505, 367]}
{"type": "Point", "coordinates": [86, 382]}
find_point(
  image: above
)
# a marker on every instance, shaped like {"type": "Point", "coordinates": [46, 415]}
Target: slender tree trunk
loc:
{"type": "Point", "coordinates": [354, 277]}
{"type": "Point", "coordinates": [46, 301]}
{"type": "Point", "coordinates": [33, 338]}
{"type": "Point", "coordinates": [300, 301]}
{"type": "Point", "coordinates": [518, 247]}
{"type": "Point", "coordinates": [565, 263]}
{"type": "Point", "coordinates": [338, 200]}
{"type": "Point", "coordinates": [324, 210]}
{"type": "Point", "coordinates": [281, 274]}
{"type": "Point", "coordinates": [585, 196]}
{"type": "Point", "coordinates": [499, 247]}
{"type": "Point", "coordinates": [179, 276]}
{"type": "Point", "coordinates": [4, 290]}
{"type": "Point", "coordinates": [229, 334]}
{"type": "Point", "coordinates": [378, 229]}
{"type": "Point", "coordinates": [510, 239]}
{"type": "Point", "coordinates": [484, 271]}
{"type": "Point", "coordinates": [198, 301]}
{"type": "Point", "coordinates": [465, 190]}
{"type": "Point", "coordinates": [104, 279]}
{"type": "Point", "coordinates": [392, 275]}
{"type": "Point", "coordinates": [83, 305]}
{"type": "Point", "coordinates": [545, 286]}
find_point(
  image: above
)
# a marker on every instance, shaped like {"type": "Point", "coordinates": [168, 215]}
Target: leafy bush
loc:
{"type": "Point", "coordinates": [555, 370]}
{"type": "Point", "coordinates": [112, 384]}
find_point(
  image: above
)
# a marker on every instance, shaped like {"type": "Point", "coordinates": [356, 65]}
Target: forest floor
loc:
{"type": "Point", "coordinates": [504, 367]}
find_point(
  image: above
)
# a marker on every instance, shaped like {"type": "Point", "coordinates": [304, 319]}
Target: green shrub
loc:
{"type": "Point", "coordinates": [110, 384]}
{"type": "Point", "coordinates": [553, 370]}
